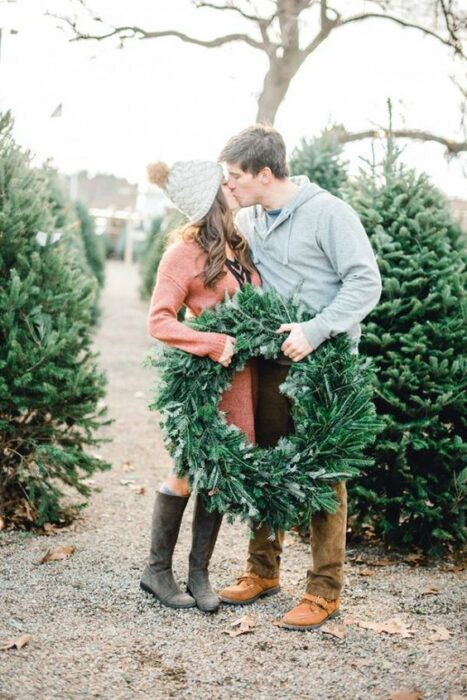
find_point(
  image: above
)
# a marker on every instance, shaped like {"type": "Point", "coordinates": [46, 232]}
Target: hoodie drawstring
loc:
{"type": "Point", "coordinates": [285, 257]}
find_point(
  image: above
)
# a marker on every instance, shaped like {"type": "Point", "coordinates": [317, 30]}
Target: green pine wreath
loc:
{"type": "Point", "coordinates": [333, 413]}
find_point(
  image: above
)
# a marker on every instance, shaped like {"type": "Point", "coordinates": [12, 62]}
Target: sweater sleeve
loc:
{"type": "Point", "coordinates": [349, 251]}
{"type": "Point", "coordinates": [168, 297]}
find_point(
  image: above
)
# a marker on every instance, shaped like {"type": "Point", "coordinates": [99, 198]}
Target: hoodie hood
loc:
{"type": "Point", "coordinates": [306, 192]}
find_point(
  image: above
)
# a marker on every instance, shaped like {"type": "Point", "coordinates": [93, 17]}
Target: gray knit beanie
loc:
{"type": "Point", "coordinates": [191, 185]}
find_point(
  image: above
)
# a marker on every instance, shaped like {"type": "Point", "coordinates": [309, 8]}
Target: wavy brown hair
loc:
{"type": "Point", "coordinates": [212, 233]}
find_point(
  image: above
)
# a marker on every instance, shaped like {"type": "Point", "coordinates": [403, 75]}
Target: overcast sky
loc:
{"type": "Point", "coordinates": [169, 100]}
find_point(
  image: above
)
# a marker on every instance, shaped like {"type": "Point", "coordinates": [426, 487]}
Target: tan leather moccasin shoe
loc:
{"type": "Point", "coordinates": [249, 588]}
{"type": "Point", "coordinates": [312, 612]}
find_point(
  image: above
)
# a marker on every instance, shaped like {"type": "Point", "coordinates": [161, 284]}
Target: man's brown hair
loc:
{"type": "Point", "coordinates": [257, 147]}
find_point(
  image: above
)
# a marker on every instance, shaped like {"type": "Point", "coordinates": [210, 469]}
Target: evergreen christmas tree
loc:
{"type": "Point", "coordinates": [150, 258]}
{"type": "Point", "coordinates": [70, 230]}
{"type": "Point", "coordinates": [94, 247]}
{"type": "Point", "coordinates": [159, 237]}
{"type": "Point", "coordinates": [415, 495]}
{"type": "Point", "coordinates": [321, 159]}
{"type": "Point", "coordinates": [50, 386]}
{"type": "Point", "coordinates": [154, 231]}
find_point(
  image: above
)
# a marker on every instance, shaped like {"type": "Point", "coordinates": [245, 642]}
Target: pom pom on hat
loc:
{"type": "Point", "coordinates": [192, 185]}
{"type": "Point", "coordinates": [158, 173]}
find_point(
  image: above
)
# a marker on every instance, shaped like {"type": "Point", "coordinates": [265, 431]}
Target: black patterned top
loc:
{"type": "Point", "coordinates": [241, 274]}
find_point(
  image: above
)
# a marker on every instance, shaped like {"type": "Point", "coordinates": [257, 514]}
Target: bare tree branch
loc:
{"type": "Point", "coordinates": [382, 4]}
{"type": "Point", "coordinates": [323, 12]}
{"type": "Point", "coordinates": [451, 26]}
{"type": "Point", "coordinates": [463, 105]}
{"type": "Point", "coordinates": [284, 52]}
{"type": "Point", "coordinates": [134, 32]}
{"type": "Point", "coordinates": [336, 13]}
{"type": "Point", "coordinates": [404, 23]}
{"type": "Point", "coordinates": [319, 38]}
{"type": "Point", "coordinates": [463, 90]}
{"type": "Point", "coordinates": [234, 8]}
{"type": "Point", "coordinates": [263, 22]}
{"type": "Point", "coordinates": [453, 148]}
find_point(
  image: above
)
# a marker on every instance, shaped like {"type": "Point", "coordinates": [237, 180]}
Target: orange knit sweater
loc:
{"type": "Point", "coordinates": [178, 284]}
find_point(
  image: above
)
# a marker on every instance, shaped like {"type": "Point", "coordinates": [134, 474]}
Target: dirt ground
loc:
{"type": "Point", "coordinates": [94, 634]}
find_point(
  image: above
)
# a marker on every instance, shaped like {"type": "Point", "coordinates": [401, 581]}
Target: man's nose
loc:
{"type": "Point", "coordinates": [230, 184]}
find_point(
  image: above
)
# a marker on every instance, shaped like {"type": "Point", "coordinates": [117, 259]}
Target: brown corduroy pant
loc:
{"type": "Point", "coordinates": [327, 530]}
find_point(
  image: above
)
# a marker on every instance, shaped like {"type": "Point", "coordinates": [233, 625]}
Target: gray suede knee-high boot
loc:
{"type": "Point", "coordinates": [157, 577]}
{"type": "Point", "coordinates": [205, 530]}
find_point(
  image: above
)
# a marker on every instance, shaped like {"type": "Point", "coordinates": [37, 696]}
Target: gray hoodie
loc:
{"type": "Point", "coordinates": [318, 242]}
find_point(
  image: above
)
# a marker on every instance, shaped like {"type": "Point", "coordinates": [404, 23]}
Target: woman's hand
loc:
{"type": "Point", "coordinates": [229, 348]}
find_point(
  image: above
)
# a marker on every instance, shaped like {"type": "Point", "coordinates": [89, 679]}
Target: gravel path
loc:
{"type": "Point", "coordinates": [96, 635]}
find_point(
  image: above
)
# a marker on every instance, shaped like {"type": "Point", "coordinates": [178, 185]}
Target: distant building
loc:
{"type": "Point", "coordinates": [122, 211]}
{"type": "Point", "coordinates": [102, 191]}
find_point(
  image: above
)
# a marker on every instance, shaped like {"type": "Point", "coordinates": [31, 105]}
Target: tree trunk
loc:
{"type": "Point", "coordinates": [275, 86]}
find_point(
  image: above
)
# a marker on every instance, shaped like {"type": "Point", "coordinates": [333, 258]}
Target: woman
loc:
{"type": "Point", "coordinates": [211, 259]}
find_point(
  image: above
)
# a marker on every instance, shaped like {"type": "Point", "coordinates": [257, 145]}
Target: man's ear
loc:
{"type": "Point", "coordinates": [265, 176]}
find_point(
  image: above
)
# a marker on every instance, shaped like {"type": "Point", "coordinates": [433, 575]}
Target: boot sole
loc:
{"type": "Point", "coordinates": [305, 628]}
{"type": "Point", "coordinates": [165, 603]}
{"type": "Point", "coordinates": [263, 594]}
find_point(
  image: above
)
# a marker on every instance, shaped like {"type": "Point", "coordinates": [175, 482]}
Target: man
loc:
{"type": "Point", "coordinates": [299, 234]}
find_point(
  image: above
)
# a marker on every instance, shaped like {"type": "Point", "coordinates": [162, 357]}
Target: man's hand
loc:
{"type": "Point", "coordinates": [229, 348]}
{"type": "Point", "coordinates": [296, 346]}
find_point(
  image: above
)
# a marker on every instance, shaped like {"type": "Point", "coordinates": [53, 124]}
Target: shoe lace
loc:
{"type": "Point", "coordinates": [315, 602]}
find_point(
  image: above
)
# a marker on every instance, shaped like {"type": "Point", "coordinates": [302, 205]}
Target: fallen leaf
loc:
{"type": "Point", "coordinates": [439, 634]}
{"type": "Point", "coordinates": [24, 511]}
{"type": "Point", "coordinates": [430, 591]}
{"type": "Point", "coordinates": [415, 559]}
{"type": "Point", "coordinates": [88, 482]}
{"type": "Point", "coordinates": [127, 482]}
{"type": "Point", "coordinates": [335, 629]}
{"type": "Point", "coordinates": [405, 695]}
{"type": "Point", "coordinates": [18, 642]}
{"type": "Point", "coordinates": [2, 523]}
{"type": "Point", "coordinates": [366, 572]}
{"type": "Point", "coordinates": [245, 624]}
{"type": "Point", "coordinates": [57, 554]}
{"type": "Point", "coordinates": [49, 529]}
{"type": "Point", "coordinates": [128, 467]}
{"type": "Point", "coordinates": [392, 626]}
{"type": "Point", "coordinates": [140, 490]}
{"type": "Point", "coordinates": [382, 562]}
